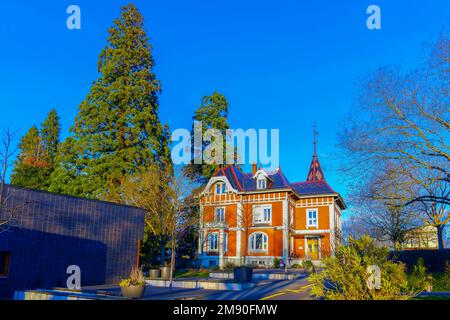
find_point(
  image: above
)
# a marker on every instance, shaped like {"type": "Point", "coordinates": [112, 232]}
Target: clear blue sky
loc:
{"type": "Point", "coordinates": [281, 64]}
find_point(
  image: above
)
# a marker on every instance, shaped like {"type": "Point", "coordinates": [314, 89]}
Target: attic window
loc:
{"type": "Point", "coordinates": [220, 188]}
{"type": "Point", "coordinates": [261, 183]}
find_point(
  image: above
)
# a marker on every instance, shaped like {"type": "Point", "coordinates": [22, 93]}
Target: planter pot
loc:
{"type": "Point", "coordinates": [243, 274]}
{"type": "Point", "coordinates": [154, 273]}
{"type": "Point", "coordinates": [133, 292]}
{"type": "Point", "coordinates": [165, 272]}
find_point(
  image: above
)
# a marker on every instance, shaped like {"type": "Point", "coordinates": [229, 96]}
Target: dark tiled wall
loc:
{"type": "Point", "coordinates": [49, 232]}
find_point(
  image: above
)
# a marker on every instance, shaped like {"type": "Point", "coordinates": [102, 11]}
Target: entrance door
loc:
{"type": "Point", "coordinates": [313, 248]}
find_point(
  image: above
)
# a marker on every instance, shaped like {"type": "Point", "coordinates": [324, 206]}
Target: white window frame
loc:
{"type": "Point", "coordinates": [210, 235]}
{"type": "Point", "coordinates": [264, 239]}
{"type": "Point", "coordinates": [261, 180]}
{"type": "Point", "coordinates": [314, 224]}
{"type": "Point", "coordinates": [216, 209]}
{"type": "Point", "coordinates": [225, 242]}
{"type": "Point", "coordinates": [255, 214]}
{"type": "Point", "coordinates": [220, 188]}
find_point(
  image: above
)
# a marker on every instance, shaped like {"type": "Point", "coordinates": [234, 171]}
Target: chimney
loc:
{"type": "Point", "coordinates": [254, 166]}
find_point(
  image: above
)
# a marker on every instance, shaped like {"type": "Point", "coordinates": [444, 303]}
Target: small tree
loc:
{"type": "Point", "coordinates": [7, 152]}
{"type": "Point", "coordinates": [346, 275]}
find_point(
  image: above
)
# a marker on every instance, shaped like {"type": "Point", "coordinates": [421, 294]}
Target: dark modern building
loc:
{"type": "Point", "coordinates": [48, 232]}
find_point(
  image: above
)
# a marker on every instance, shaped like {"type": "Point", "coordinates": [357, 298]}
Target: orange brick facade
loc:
{"type": "Point", "coordinates": [245, 221]}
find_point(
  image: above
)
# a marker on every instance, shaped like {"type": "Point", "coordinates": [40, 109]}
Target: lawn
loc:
{"type": "Point", "coordinates": [191, 273]}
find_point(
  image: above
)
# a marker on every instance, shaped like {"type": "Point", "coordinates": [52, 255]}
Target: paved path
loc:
{"type": "Point", "coordinates": [295, 289]}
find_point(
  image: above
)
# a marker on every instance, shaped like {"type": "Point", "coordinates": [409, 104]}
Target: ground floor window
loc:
{"type": "Point", "coordinates": [258, 241]}
{"type": "Point", "coordinates": [213, 241]}
{"type": "Point", "coordinates": [5, 259]}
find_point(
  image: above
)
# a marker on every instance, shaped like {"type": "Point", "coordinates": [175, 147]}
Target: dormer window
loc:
{"type": "Point", "coordinates": [220, 188]}
{"type": "Point", "coordinates": [261, 183]}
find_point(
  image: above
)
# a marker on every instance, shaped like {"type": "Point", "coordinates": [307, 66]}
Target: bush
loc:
{"type": "Point", "coordinates": [276, 263]}
{"type": "Point", "coordinates": [419, 278]}
{"type": "Point", "coordinates": [229, 266]}
{"type": "Point", "coordinates": [296, 266]}
{"type": "Point", "coordinates": [346, 277]}
{"type": "Point", "coordinates": [446, 276]}
{"type": "Point", "coordinates": [308, 266]}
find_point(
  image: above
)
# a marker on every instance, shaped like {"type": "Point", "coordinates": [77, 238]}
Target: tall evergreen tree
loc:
{"type": "Point", "coordinates": [117, 131]}
{"type": "Point", "coordinates": [36, 160]}
{"type": "Point", "coordinates": [213, 114]}
{"type": "Point", "coordinates": [50, 132]}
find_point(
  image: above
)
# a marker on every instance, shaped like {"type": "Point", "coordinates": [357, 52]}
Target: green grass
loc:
{"type": "Point", "coordinates": [188, 273]}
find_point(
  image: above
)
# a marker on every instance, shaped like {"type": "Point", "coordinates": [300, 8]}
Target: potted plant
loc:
{"type": "Point", "coordinates": [134, 286]}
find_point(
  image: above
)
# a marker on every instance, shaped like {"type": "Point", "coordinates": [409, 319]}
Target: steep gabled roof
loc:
{"type": "Point", "coordinates": [245, 181]}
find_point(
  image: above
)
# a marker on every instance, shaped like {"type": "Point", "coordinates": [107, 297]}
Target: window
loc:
{"type": "Point", "coordinates": [261, 183]}
{"type": "Point", "coordinates": [5, 259]}
{"type": "Point", "coordinates": [213, 241]}
{"type": "Point", "coordinates": [262, 214]}
{"type": "Point", "coordinates": [225, 242]}
{"type": "Point", "coordinates": [220, 188]}
{"type": "Point", "coordinates": [219, 214]}
{"type": "Point", "coordinates": [311, 218]}
{"type": "Point", "coordinates": [258, 241]}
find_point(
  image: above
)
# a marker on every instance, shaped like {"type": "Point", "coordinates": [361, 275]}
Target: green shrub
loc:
{"type": "Point", "coordinates": [296, 266]}
{"type": "Point", "coordinates": [419, 278]}
{"type": "Point", "coordinates": [229, 266]}
{"type": "Point", "coordinates": [276, 263]}
{"type": "Point", "coordinates": [308, 266]}
{"type": "Point", "coordinates": [446, 277]}
{"type": "Point", "coordinates": [345, 276]}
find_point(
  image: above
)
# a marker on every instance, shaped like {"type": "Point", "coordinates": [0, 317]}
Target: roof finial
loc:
{"type": "Point", "coordinates": [315, 132]}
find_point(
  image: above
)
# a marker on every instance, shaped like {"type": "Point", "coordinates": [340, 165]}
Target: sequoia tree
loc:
{"type": "Point", "coordinates": [117, 131]}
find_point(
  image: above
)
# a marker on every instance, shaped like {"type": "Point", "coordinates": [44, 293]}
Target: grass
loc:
{"type": "Point", "coordinates": [191, 273]}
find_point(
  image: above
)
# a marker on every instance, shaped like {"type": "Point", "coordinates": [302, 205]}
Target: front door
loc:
{"type": "Point", "coordinates": [313, 248]}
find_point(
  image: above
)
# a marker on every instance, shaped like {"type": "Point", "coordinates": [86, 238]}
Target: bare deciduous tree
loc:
{"type": "Point", "coordinates": [402, 120]}
{"type": "Point", "coordinates": [7, 152]}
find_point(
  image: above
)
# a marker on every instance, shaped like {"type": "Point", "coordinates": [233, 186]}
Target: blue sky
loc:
{"type": "Point", "coordinates": [282, 64]}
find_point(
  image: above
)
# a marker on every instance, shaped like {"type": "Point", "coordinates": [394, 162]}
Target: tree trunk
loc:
{"type": "Point", "coordinates": [440, 235]}
{"type": "Point", "coordinates": [163, 243]}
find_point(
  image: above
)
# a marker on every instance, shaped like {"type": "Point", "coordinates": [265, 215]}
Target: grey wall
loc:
{"type": "Point", "coordinates": [49, 232]}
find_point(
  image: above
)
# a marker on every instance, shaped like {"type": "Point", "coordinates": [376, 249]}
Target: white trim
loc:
{"type": "Point", "coordinates": [311, 232]}
{"type": "Point", "coordinates": [208, 246]}
{"type": "Point", "coordinates": [224, 214]}
{"type": "Point", "coordinates": [263, 206]}
{"type": "Point", "coordinates": [251, 242]}
{"type": "Point", "coordinates": [317, 218]}
{"type": "Point", "coordinates": [261, 172]}
{"type": "Point", "coordinates": [213, 180]}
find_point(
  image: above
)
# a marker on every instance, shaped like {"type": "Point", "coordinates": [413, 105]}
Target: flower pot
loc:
{"type": "Point", "coordinates": [165, 272]}
{"type": "Point", "coordinates": [133, 292]}
{"type": "Point", "coordinates": [243, 274]}
{"type": "Point", "coordinates": [154, 273]}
